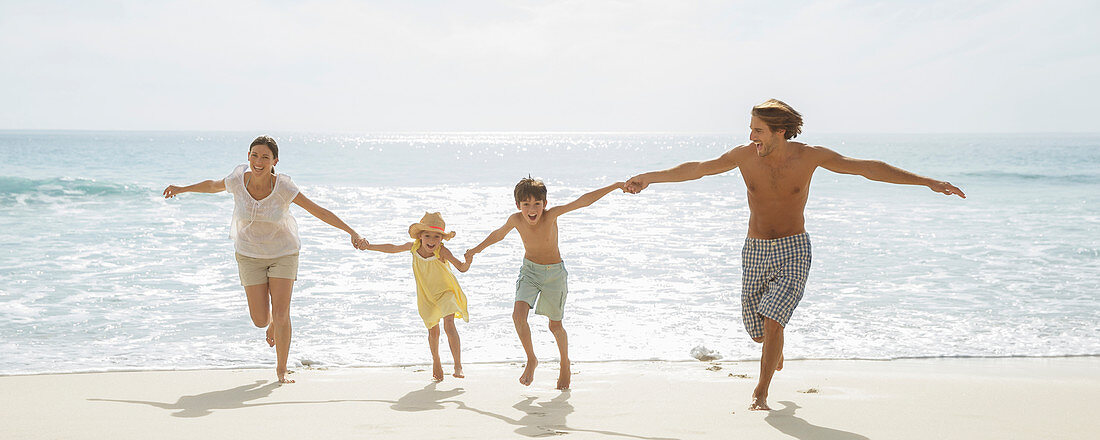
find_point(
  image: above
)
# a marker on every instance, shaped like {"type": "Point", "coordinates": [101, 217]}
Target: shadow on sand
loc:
{"type": "Point", "coordinates": [234, 398]}
{"type": "Point", "coordinates": [785, 421]}
{"type": "Point", "coordinates": [541, 418]}
{"type": "Point", "coordinates": [546, 418]}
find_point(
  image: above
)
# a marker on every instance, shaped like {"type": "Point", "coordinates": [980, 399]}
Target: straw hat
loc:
{"type": "Point", "coordinates": [433, 222]}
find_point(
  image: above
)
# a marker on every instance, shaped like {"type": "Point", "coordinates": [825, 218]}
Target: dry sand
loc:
{"type": "Point", "coordinates": [1016, 398]}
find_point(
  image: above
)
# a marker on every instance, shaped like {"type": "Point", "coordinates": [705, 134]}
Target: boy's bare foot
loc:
{"type": "Point", "coordinates": [759, 403]}
{"type": "Point", "coordinates": [282, 376]}
{"type": "Point", "coordinates": [779, 367]}
{"type": "Point", "coordinates": [458, 372]}
{"type": "Point", "coordinates": [437, 371]}
{"type": "Point", "coordinates": [528, 372]}
{"type": "Point", "coordinates": [564, 376]}
{"type": "Point", "coordinates": [270, 336]}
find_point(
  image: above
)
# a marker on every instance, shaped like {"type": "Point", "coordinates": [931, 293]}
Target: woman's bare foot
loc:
{"type": "Point", "coordinates": [270, 335]}
{"type": "Point", "coordinates": [564, 376]}
{"type": "Point", "coordinates": [458, 372]}
{"type": "Point", "coordinates": [529, 372]}
{"type": "Point", "coordinates": [437, 371]}
{"type": "Point", "coordinates": [759, 403]}
{"type": "Point", "coordinates": [282, 376]}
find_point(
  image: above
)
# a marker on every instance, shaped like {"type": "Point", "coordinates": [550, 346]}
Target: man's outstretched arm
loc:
{"type": "Point", "coordinates": [683, 172]}
{"type": "Point", "coordinates": [882, 172]}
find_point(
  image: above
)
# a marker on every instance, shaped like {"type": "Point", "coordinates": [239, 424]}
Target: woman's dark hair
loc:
{"type": "Point", "coordinates": [270, 143]}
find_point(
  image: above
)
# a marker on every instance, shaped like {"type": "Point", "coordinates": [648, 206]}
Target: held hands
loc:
{"type": "Point", "coordinates": [469, 255]}
{"type": "Point", "coordinates": [359, 242]}
{"type": "Point", "coordinates": [636, 184]}
{"type": "Point", "coordinates": [946, 188]}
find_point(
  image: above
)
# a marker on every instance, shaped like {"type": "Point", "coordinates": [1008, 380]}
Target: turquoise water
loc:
{"type": "Point", "coordinates": [99, 272]}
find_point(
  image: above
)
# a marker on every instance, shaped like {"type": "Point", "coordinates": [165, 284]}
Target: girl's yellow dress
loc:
{"type": "Point", "coordinates": [437, 291]}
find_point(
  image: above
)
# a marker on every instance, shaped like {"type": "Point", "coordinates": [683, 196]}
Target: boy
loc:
{"type": "Point", "coordinates": [542, 278]}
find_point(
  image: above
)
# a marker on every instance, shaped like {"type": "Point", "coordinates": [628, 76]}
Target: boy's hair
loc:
{"type": "Point", "coordinates": [779, 116]}
{"type": "Point", "coordinates": [528, 188]}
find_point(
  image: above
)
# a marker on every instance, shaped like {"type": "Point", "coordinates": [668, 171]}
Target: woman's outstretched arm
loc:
{"type": "Point", "coordinates": [206, 186]}
{"type": "Point", "coordinates": [330, 218]}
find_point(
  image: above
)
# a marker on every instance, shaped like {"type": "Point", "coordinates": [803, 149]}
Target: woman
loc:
{"type": "Point", "coordinates": [266, 239]}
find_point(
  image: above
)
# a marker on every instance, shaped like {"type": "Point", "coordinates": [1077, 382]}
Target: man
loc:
{"type": "Point", "coordinates": [776, 256]}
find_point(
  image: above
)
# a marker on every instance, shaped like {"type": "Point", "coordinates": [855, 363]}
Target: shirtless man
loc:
{"type": "Point", "coordinates": [776, 257]}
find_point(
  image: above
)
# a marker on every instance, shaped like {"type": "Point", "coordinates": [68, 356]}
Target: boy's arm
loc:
{"type": "Point", "coordinates": [206, 186]}
{"type": "Point", "coordinates": [585, 200]}
{"type": "Point", "coordinates": [881, 171]}
{"type": "Point", "coordinates": [686, 171]}
{"type": "Point", "coordinates": [493, 237]}
{"type": "Point", "coordinates": [447, 255]}
{"type": "Point", "coordinates": [389, 248]}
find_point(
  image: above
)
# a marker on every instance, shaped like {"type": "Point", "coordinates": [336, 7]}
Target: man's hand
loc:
{"type": "Point", "coordinates": [946, 188]}
{"type": "Point", "coordinates": [636, 184]}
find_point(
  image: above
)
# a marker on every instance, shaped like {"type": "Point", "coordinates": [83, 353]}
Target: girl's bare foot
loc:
{"type": "Point", "coordinates": [437, 371]}
{"type": "Point", "coordinates": [528, 372]}
{"type": "Point", "coordinates": [564, 376]}
{"type": "Point", "coordinates": [271, 335]}
{"type": "Point", "coordinates": [458, 372]}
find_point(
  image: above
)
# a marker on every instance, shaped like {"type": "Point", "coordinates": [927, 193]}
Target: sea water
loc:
{"type": "Point", "coordinates": [99, 272]}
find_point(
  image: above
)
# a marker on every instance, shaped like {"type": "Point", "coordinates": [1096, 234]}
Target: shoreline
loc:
{"type": "Point", "coordinates": [323, 366]}
{"type": "Point", "coordinates": [1045, 397]}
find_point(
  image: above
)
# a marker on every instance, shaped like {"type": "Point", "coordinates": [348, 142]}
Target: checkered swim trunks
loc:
{"type": "Point", "coordinates": [772, 279]}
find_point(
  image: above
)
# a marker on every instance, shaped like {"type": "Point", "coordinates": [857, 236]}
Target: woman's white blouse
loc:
{"type": "Point", "coordinates": [263, 228]}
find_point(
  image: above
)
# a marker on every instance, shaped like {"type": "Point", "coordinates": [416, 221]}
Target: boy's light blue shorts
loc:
{"type": "Point", "coordinates": [772, 279]}
{"type": "Point", "coordinates": [543, 287]}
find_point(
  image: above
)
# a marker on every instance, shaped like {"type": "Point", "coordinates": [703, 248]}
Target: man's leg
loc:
{"type": "Point", "coordinates": [563, 349]}
{"type": "Point", "coordinates": [523, 330]}
{"type": "Point", "coordinates": [771, 359]}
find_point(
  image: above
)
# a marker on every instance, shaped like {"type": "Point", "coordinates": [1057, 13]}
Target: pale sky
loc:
{"type": "Point", "coordinates": [568, 65]}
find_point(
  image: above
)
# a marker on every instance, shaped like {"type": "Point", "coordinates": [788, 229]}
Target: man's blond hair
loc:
{"type": "Point", "coordinates": [779, 116]}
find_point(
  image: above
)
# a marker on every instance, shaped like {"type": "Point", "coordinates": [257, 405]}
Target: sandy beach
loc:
{"type": "Point", "coordinates": [1026, 398]}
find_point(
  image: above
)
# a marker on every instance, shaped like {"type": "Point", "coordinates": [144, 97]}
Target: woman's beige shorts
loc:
{"type": "Point", "coordinates": [255, 271]}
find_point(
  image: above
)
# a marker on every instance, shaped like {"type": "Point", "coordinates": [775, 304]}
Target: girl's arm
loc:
{"type": "Point", "coordinates": [493, 237]}
{"type": "Point", "coordinates": [446, 254]}
{"type": "Point", "coordinates": [328, 217]}
{"type": "Point", "coordinates": [390, 248]}
{"type": "Point", "coordinates": [206, 186]}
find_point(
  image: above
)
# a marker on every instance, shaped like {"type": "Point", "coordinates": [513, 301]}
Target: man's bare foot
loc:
{"type": "Point", "coordinates": [779, 366]}
{"type": "Point", "coordinates": [458, 372]}
{"type": "Point", "coordinates": [437, 371]}
{"type": "Point", "coordinates": [270, 336]}
{"type": "Point", "coordinates": [282, 376]}
{"type": "Point", "coordinates": [564, 376]}
{"type": "Point", "coordinates": [528, 372]}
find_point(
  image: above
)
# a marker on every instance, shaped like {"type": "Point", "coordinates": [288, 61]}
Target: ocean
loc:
{"type": "Point", "coordinates": [98, 272]}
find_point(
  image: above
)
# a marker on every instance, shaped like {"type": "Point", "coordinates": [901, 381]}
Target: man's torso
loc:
{"type": "Point", "coordinates": [777, 187]}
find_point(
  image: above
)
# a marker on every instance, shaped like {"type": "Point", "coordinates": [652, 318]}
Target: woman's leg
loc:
{"type": "Point", "coordinates": [280, 290]}
{"type": "Point", "coordinates": [455, 343]}
{"type": "Point", "coordinates": [259, 309]}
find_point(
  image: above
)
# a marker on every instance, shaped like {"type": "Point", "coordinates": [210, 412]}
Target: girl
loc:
{"type": "Point", "coordinates": [265, 237]}
{"type": "Point", "coordinates": [437, 292]}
